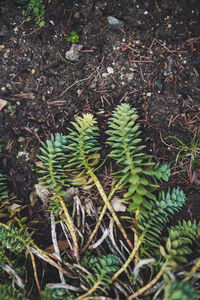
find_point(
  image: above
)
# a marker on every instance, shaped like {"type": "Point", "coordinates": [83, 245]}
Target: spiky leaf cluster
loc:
{"type": "Point", "coordinates": [103, 268]}
{"type": "Point", "coordinates": [83, 146]}
{"type": "Point", "coordinates": [178, 290]}
{"type": "Point", "coordinates": [182, 238]}
{"type": "Point", "coordinates": [161, 172]}
{"type": "Point", "coordinates": [3, 258]}
{"type": "Point", "coordinates": [53, 158]}
{"type": "Point", "coordinates": [9, 204]}
{"type": "Point", "coordinates": [56, 293]}
{"type": "Point", "coordinates": [13, 238]}
{"type": "Point", "coordinates": [8, 292]}
{"type": "Point", "coordinates": [136, 168]}
{"type": "Point", "coordinates": [156, 220]}
{"type": "Point", "coordinates": [4, 190]}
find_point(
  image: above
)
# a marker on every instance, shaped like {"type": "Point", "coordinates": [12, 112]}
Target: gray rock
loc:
{"type": "Point", "coordinates": [112, 21]}
{"type": "Point", "coordinates": [73, 53]}
{"type": "Point", "coordinates": [3, 30]}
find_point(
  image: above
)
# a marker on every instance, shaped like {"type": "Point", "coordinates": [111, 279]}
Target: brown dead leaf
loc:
{"type": "Point", "coordinates": [62, 245]}
{"type": "Point", "coordinates": [2, 103]}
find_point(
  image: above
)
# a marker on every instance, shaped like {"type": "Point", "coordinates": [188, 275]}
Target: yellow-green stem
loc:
{"type": "Point", "coordinates": [100, 218]}
{"type": "Point", "coordinates": [69, 221]}
{"type": "Point", "coordinates": [34, 270]}
{"type": "Point", "coordinates": [130, 258]}
{"type": "Point", "coordinates": [109, 206]}
{"type": "Point", "coordinates": [193, 271]}
{"type": "Point", "coordinates": [136, 236]}
{"type": "Point", "coordinates": [92, 290]}
{"type": "Point", "coordinates": [51, 261]}
{"type": "Point", "coordinates": [71, 228]}
{"type": "Point", "coordinates": [150, 284]}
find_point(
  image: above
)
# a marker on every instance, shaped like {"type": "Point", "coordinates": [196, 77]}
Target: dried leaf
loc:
{"type": "Point", "coordinates": [15, 206]}
{"type": "Point", "coordinates": [62, 245]}
{"type": "Point", "coordinates": [33, 198]}
{"type": "Point", "coordinates": [42, 193]}
{"type": "Point", "coordinates": [2, 103]}
{"type": "Point", "coordinates": [117, 204]}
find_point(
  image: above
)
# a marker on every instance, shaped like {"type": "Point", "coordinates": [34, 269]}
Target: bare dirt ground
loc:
{"type": "Point", "coordinates": [150, 60]}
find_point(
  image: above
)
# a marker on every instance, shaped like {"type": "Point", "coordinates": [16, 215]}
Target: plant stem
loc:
{"type": "Point", "coordinates": [130, 258]}
{"type": "Point", "coordinates": [116, 187]}
{"type": "Point", "coordinates": [41, 253]}
{"type": "Point", "coordinates": [89, 292]}
{"type": "Point", "coordinates": [34, 270]}
{"type": "Point", "coordinates": [71, 228]}
{"type": "Point", "coordinates": [194, 269]}
{"type": "Point", "coordinates": [150, 284]}
{"type": "Point", "coordinates": [136, 236]}
{"type": "Point", "coordinates": [109, 206]}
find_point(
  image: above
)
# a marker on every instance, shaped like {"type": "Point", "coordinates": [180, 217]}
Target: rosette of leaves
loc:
{"type": "Point", "coordinates": [10, 206]}
{"type": "Point", "coordinates": [83, 157]}
{"type": "Point", "coordinates": [51, 294]}
{"type": "Point", "coordinates": [182, 238]}
{"type": "Point", "coordinates": [13, 243]}
{"type": "Point", "coordinates": [155, 222]}
{"type": "Point", "coordinates": [4, 190]}
{"type": "Point", "coordinates": [8, 292]}
{"type": "Point", "coordinates": [137, 171]}
{"type": "Point", "coordinates": [53, 159]}
{"type": "Point", "coordinates": [83, 147]}
{"type": "Point", "coordinates": [179, 290]}
{"type": "Point", "coordinates": [13, 238]}
{"type": "Point", "coordinates": [103, 269]}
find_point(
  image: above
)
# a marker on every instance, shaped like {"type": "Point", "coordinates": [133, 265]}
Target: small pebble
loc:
{"type": "Point", "coordinates": [16, 29]}
{"type": "Point", "coordinates": [3, 30]}
{"type": "Point", "coordinates": [8, 85]}
{"type": "Point", "coordinates": [77, 15]}
{"type": "Point", "coordinates": [105, 75]}
{"type": "Point", "coordinates": [110, 70]}
{"type": "Point", "coordinates": [148, 94]}
{"type": "Point", "coordinates": [5, 55]}
{"type": "Point", "coordinates": [21, 139]}
{"type": "Point", "coordinates": [115, 22]}
{"type": "Point", "coordinates": [74, 52]}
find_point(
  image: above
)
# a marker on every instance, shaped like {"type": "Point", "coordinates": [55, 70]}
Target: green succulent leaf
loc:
{"type": "Point", "coordinates": [178, 290]}
{"type": "Point", "coordinates": [127, 151]}
{"type": "Point", "coordinates": [159, 215]}
{"type": "Point", "coordinates": [182, 238]}
{"type": "Point", "coordinates": [52, 160]}
{"type": "Point", "coordinates": [83, 148]}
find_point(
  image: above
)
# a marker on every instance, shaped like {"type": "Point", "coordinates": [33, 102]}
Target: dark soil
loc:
{"type": "Point", "coordinates": [155, 66]}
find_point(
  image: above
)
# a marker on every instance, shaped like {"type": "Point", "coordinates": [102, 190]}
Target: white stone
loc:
{"type": "Point", "coordinates": [105, 75]}
{"type": "Point", "coordinates": [110, 70]}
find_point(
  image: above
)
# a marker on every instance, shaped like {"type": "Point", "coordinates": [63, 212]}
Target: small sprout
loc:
{"type": "Point", "coordinates": [73, 37]}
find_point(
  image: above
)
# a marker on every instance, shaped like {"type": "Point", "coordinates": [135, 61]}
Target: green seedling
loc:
{"type": "Point", "coordinates": [35, 10]}
{"type": "Point", "coordinates": [191, 151]}
{"type": "Point", "coordinates": [73, 37]}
